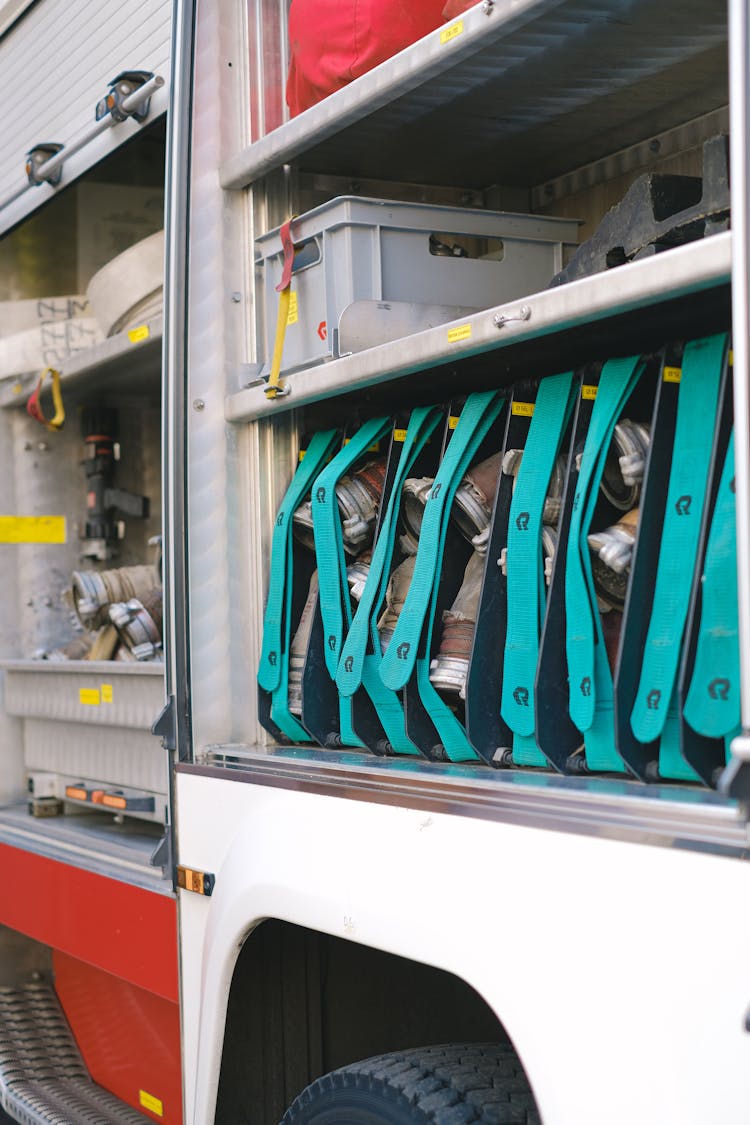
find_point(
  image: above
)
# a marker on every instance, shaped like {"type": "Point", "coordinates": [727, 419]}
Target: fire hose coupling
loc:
{"type": "Point", "coordinates": [553, 500]}
{"type": "Point", "coordinates": [120, 89]}
{"type": "Point", "coordinates": [449, 669]}
{"type": "Point", "coordinates": [356, 575]}
{"type": "Point", "coordinates": [139, 623]}
{"type": "Point", "coordinates": [612, 555]}
{"type": "Point", "coordinates": [625, 464]}
{"type": "Point", "coordinates": [475, 495]}
{"type": "Point", "coordinates": [94, 591]}
{"type": "Point", "coordinates": [358, 498]}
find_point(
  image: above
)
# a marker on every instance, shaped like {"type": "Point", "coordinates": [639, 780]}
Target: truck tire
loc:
{"type": "Point", "coordinates": [449, 1085]}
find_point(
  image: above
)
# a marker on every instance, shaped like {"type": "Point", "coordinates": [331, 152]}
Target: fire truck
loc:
{"type": "Point", "coordinates": [375, 614]}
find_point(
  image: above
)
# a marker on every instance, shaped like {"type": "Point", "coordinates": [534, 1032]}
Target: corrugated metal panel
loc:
{"type": "Point", "coordinates": [117, 757]}
{"type": "Point", "coordinates": [55, 64]}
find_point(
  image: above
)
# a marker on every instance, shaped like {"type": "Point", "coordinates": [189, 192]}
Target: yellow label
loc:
{"type": "Point", "coordinates": [136, 335]}
{"type": "Point", "coordinates": [293, 314]}
{"type": "Point", "coordinates": [107, 696]}
{"type": "Point", "coordinates": [374, 448]}
{"type": "Point", "coordinates": [448, 34]}
{"type": "Point", "coordinates": [452, 421]}
{"type": "Point", "coordinates": [17, 388]}
{"type": "Point", "coordinates": [588, 390]}
{"type": "Point", "coordinates": [302, 453]}
{"type": "Point", "coordinates": [731, 358]}
{"type": "Point", "coordinates": [32, 529]}
{"type": "Point", "coordinates": [525, 409]}
{"type": "Point", "coordinates": [463, 332]}
{"type": "Point", "coordinates": [89, 696]}
{"type": "Point", "coordinates": [148, 1101]}
{"type": "Point", "coordinates": [399, 435]}
{"type": "Point", "coordinates": [672, 374]}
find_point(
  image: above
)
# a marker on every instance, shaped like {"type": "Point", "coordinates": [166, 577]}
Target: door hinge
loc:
{"type": "Point", "coordinates": [165, 727]}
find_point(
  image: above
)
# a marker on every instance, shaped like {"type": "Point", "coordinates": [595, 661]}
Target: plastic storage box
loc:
{"type": "Point", "coordinates": [436, 262]}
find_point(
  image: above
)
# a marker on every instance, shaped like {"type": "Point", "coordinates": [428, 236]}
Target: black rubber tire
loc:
{"type": "Point", "coordinates": [481, 1083]}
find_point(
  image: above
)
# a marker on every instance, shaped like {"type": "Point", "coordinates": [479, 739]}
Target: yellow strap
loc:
{"type": "Point", "coordinates": [274, 387]}
{"type": "Point", "coordinates": [33, 407]}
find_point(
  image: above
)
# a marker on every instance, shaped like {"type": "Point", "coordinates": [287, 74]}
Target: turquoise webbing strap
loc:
{"type": "Point", "coordinates": [478, 414]}
{"type": "Point", "coordinates": [712, 706]}
{"type": "Point", "coordinates": [335, 605]}
{"type": "Point", "coordinates": [452, 733]}
{"type": "Point", "coordinates": [671, 762]}
{"type": "Point", "coordinates": [388, 706]}
{"type": "Point", "coordinates": [702, 363]}
{"type": "Point", "coordinates": [583, 633]}
{"type": "Point", "coordinates": [421, 426]}
{"type": "Point", "coordinates": [275, 649]}
{"type": "Point", "coordinates": [525, 584]}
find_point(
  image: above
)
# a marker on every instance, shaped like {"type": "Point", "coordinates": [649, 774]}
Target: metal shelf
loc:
{"type": "Point", "coordinates": [690, 270]}
{"type": "Point", "coordinates": [525, 91]}
{"type": "Point", "coordinates": [99, 692]}
{"type": "Point", "coordinates": [126, 363]}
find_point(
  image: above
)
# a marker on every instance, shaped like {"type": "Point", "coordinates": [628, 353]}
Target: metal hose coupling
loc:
{"type": "Point", "coordinates": [414, 495]}
{"type": "Point", "coordinates": [298, 650]}
{"type": "Point", "coordinates": [358, 499]}
{"type": "Point", "coordinates": [395, 596]}
{"type": "Point", "coordinates": [450, 667]}
{"type": "Point", "coordinates": [356, 575]}
{"type": "Point", "coordinates": [475, 496]}
{"type": "Point", "coordinates": [95, 590]}
{"type": "Point", "coordinates": [612, 554]}
{"type": "Point", "coordinates": [139, 624]}
{"type": "Point", "coordinates": [625, 463]}
{"type": "Point", "coordinates": [553, 500]}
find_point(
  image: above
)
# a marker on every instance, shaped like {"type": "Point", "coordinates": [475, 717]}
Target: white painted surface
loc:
{"type": "Point", "coordinates": [620, 970]}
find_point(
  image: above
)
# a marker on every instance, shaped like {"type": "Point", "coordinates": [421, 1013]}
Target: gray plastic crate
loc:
{"type": "Point", "coordinates": [363, 250]}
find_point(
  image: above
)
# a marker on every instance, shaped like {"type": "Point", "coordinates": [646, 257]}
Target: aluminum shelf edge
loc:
{"type": "Point", "coordinates": [671, 274]}
{"type": "Point", "coordinates": [122, 359]}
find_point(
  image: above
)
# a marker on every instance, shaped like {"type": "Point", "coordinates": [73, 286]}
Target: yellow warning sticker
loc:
{"type": "Point", "coordinates": [89, 696]}
{"type": "Point", "coordinates": [293, 314]}
{"type": "Point", "coordinates": [448, 34]}
{"type": "Point", "coordinates": [731, 358]}
{"type": "Point", "coordinates": [672, 374]}
{"type": "Point", "coordinates": [399, 435]}
{"type": "Point", "coordinates": [107, 694]}
{"type": "Point", "coordinates": [525, 409]}
{"type": "Point", "coordinates": [588, 390]}
{"type": "Point", "coordinates": [462, 332]}
{"type": "Point", "coordinates": [32, 529]}
{"type": "Point", "coordinates": [148, 1101]}
{"type": "Point", "coordinates": [302, 453]}
{"type": "Point", "coordinates": [137, 335]}
{"type": "Point", "coordinates": [452, 421]}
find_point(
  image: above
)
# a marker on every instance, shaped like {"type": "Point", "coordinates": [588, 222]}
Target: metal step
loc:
{"type": "Point", "coordinates": [43, 1078]}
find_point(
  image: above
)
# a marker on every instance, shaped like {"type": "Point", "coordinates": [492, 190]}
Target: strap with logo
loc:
{"type": "Point", "coordinates": [697, 403]}
{"type": "Point", "coordinates": [273, 671]}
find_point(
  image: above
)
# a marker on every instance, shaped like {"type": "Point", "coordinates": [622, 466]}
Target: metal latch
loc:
{"type": "Point", "coordinates": [36, 157]}
{"type": "Point", "coordinates": [120, 88]}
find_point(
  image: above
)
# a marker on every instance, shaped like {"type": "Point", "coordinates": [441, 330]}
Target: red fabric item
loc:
{"type": "Point", "coordinates": [455, 7]}
{"type": "Point", "coordinates": [332, 42]}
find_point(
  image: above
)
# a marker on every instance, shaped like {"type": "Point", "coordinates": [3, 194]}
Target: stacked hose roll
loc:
{"type": "Point", "coordinates": [139, 623]}
{"type": "Point", "coordinates": [94, 591]}
{"type": "Point", "coordinates": [124, 607]}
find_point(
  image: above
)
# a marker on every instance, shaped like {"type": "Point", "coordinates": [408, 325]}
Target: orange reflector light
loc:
{"type": "Point", "coordinates": [75, 793]}
{"type": "Point", "coordinates": [198, 881]}
{"type": "Point", "coordinates": [97, 796]}
{"type": "Point", "coordinates": [114, 802]}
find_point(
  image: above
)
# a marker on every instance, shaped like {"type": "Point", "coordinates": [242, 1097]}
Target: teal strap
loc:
{"type": "Point", "coordinates": [452, 734]}
{"type": "Point", "coordinates": [275, 649]}
{"type": "Point", "coordinates": [388, 705]}
{"type": "Point", "coordinates": [525, 586]}
{"type": "Point", "coordinates": [421, 426]}
{"type": "Point", "coordinates": [671, 762]}
{"type": "Point", "coordinates": [583, 634]}
{"type": "Point", "coordinates": [335, 605]}
{"type": "Point", "coordinates": [712, 706]}
{"type": "Point", "coordinates": [478, 414]}
{"type": "Point", "coordinates": [702, 364]}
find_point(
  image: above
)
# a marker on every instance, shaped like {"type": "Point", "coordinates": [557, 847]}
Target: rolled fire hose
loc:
{"type": "Point", "coordinates": [395, 596]}
{"type": "Point", "coordinates": [129, 289]}
{"type": "Point", "coordinates": [358, 498]}
{"type": "Point", "coordinates": [625, 464]}
{"type": "Point", "coordinates": [95, 590]}
{"type": "Point", "coordinates": [612, 550]}
{"type": "Point", "coordinates": [449, 669]}
{"type": "Point", "coordinates": [298, 650]}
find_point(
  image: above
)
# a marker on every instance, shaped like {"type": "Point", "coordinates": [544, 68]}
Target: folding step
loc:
{"type": "Point", "coordinates": [43, 1078]}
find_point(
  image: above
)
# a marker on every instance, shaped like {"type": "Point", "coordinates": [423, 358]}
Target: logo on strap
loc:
{"type": "Point", "coordinates": [320, 495]}
{"type": "Point", "coordinates": [272, 658]}
{"type": "Point", "coordinates": [279, 519]}
{"type": "Point", "coordinates": [576, 501]}
{"type": "Point", "coordinates": [435, 491]}
{"type": "Point", "coordinates": [403, 650]}
{"type": "Point", "coordinates": [731, 485]}
{"type": "Point", "coordinates": [521, 696]}
{"type": "Point", "coordinates": [719, 689]}
{"type": "Point", "coordinates": [332, 642]}
{"type": "Point", "coordinates": [348, 663]}
{"type": "Point", "coordinates": [586, 685]}
{"type": "Point", "coordinates": [682, 507]}
{"type": "Point", "coordinates": [653, 699]}
{"type": "Point", "coordinates": [522, 521]}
